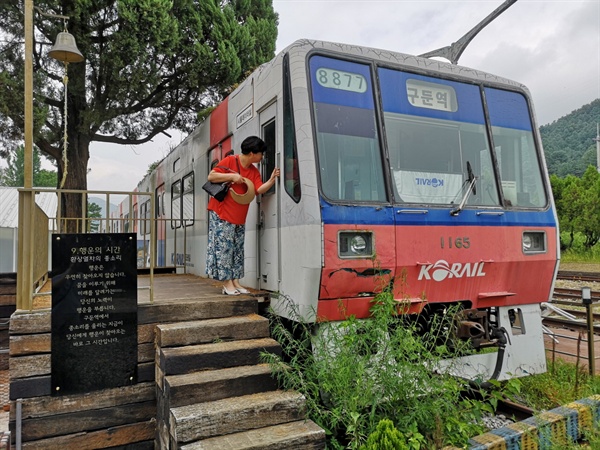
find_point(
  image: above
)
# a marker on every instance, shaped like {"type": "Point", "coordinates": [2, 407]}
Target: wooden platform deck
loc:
{"type": "Point", "coordinates": [167, 288]}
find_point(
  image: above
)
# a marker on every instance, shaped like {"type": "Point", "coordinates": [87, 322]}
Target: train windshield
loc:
{"type": "Point", "coordinates": [437, 140]}
{"type": "Point", "coordinates": [520, 172]}
{"type": "Point", "coordinates": [439, 148]}
{"type": "Point", "coordinates": [349, 154]}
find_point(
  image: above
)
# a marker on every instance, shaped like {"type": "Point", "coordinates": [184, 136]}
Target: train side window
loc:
{"type": "Point", "coordinates": [229, 153]}
{"type": "Point", "coordinates": [291, 173]}
{"type": "Point", "coordinates": [268, 162]}
{"type": "Point", "coordinates": [135, 218]}
{"type": "Point", "coordinates": [145, 217]}
{"type": "Point", "coordinates": [187, 200]}
{"type": "Point", "coordinates": [176, 204]}
{"type": "Point", "coordinates": [176, 165]}
{"type": "Point", "coordinates": [159, 201]}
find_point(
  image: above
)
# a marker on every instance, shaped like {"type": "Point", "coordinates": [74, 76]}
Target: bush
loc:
{"type": "Point", "coordinates": [356, 373]}
{"type": "Point", "coordinates": [577, 252]}
{"type": "Point", "coordinates": [385, 437]}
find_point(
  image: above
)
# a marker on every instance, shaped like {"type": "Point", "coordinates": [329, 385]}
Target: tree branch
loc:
{"type": "Point", "coordinates": [125, 141]}
{"type": "Point", "coordinates": [47, 148]}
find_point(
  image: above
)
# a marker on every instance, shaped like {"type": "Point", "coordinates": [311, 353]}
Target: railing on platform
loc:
{"type": "Point", "coordinates": [570, 320]}
{"type": "Point", "coordinates": [578, 354]}
{"type": "Point", "coordinates": [36, 227]}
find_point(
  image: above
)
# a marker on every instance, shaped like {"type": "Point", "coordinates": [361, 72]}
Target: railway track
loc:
{"type": "Point", "coordinates": [571, 324]}
{"type": "Point", "coordinates": [569, 300]}
{"type": "Point", "coordinates": [578, 276]}
{"type": "Point", "coordinates": [574, 295]}
{"type": "Point", "coordinates": [514, 410]}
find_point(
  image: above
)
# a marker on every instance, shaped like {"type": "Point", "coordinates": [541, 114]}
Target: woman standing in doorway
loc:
{"type": "Point", "coordinates": [227, 219]}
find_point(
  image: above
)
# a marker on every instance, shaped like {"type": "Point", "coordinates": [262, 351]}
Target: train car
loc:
{"type": "Point", "coordinates": [421, 176]}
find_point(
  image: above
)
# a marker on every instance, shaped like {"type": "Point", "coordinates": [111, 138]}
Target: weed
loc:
{"type": "Point", "coordinates": [561, 384]}
{"type": "Point", "coordinates": [356, 373]}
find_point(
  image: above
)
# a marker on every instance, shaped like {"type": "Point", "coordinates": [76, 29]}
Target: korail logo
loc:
{"type": "Point", "coordinates": [433, 182]}
{"type": "Point", "coordinates": [441, 270]}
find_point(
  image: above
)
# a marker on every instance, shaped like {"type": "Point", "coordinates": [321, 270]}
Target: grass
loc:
{"type": "Point", "coordinates": [358, 373]}
{"type": "Point", "coordinates": [563, 383]}
{"type": "Point", "coordinates": [572, 256]}
{"type": "Point", "coordinates": [379, 370]}
{"type": "Point", "coordinates": [577, 253]}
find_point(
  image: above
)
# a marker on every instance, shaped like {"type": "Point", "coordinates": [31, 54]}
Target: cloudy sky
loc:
{"type": "Point", "coordinates": [553, 47]}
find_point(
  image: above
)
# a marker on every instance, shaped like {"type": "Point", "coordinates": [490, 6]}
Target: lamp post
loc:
{"type": "Point", "coordinates": [65, 54]}
{"type": "Point", "coordinates": [586, 297]}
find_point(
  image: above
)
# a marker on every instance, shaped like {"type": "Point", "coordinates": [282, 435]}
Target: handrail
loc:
{"type": "Point", "coordinates": [31, 225]}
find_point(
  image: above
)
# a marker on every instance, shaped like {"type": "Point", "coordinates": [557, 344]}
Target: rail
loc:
{"type": "Point", "coordinates": [578, 276]}
{"type": "Point", "coordinates": [36, 227]}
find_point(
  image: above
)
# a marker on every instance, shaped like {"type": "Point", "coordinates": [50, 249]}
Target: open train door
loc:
{"type": "Point", "coordinates": [268, 254]}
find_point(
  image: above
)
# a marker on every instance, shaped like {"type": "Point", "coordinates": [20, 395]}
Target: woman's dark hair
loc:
{"type": "Point", "coordinates": [253, 144]}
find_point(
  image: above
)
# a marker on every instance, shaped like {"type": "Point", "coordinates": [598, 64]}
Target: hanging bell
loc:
{"type": "Point", "coordinates": [65, 49]}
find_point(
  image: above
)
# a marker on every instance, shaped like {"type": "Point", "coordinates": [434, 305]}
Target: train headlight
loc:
{"type": "Point", "coordinates": [355, 244]}
{"type": "Point", "coordinates": [358, 245]}
{"type": "Point", "coordinates": [534, 242]}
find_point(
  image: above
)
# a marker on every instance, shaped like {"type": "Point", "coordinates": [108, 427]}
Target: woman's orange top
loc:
{"type": "Point", "coordinates": [229, 209]}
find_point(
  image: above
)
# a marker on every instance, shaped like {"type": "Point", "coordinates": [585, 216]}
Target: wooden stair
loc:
{"type": "Point", "coordinates": [213, 392]}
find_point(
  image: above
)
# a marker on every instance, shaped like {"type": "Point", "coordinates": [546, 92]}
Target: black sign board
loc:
{"type": "Point", "coordinates": [94, 312]}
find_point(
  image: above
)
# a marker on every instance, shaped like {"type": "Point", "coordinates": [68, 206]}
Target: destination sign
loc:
{"type": "Point", "coordinates": [423, 94]}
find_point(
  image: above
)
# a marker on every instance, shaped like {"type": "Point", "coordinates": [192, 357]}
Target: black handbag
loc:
{"type": "Point", "coordinates": [219, 190]}
{"type": "Point", "coordinates": [216, 190]}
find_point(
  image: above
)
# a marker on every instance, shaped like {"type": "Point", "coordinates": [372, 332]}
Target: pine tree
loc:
{"type": "Point", "coordinates": [150, 65]}
{"type": "Point", "coordinates": [14, 173]}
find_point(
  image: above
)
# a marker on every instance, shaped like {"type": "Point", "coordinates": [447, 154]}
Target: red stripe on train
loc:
{"type": "Point", "coordinates": [483, 266]}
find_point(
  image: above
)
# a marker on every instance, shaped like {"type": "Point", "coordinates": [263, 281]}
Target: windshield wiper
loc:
{"type": "Point", "coordinates": [471, 180]}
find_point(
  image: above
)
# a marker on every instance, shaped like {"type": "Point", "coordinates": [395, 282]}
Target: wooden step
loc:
{"type": "Point", "coordinates": [180, 360]}
{"type": "Point", "coordinates": [300, 435]}
{"type": "Point", "coordinates": [250, 326]}
{"type": "Point", "coordinates": [211, 385]}
{"type": "Point", "coordinates": [199, 309]}
{"type": "Point", "coordinates": [233, 415]}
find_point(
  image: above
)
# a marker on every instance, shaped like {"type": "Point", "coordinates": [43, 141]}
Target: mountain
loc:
{"type": "Point", "coordinates": [569, 142]}
{"type": "Point", "coordinates": [102, 204]}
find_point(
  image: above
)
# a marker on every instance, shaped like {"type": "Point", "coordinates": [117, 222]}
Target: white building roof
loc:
{"type": "Point", "coordinates": [9, 205]}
